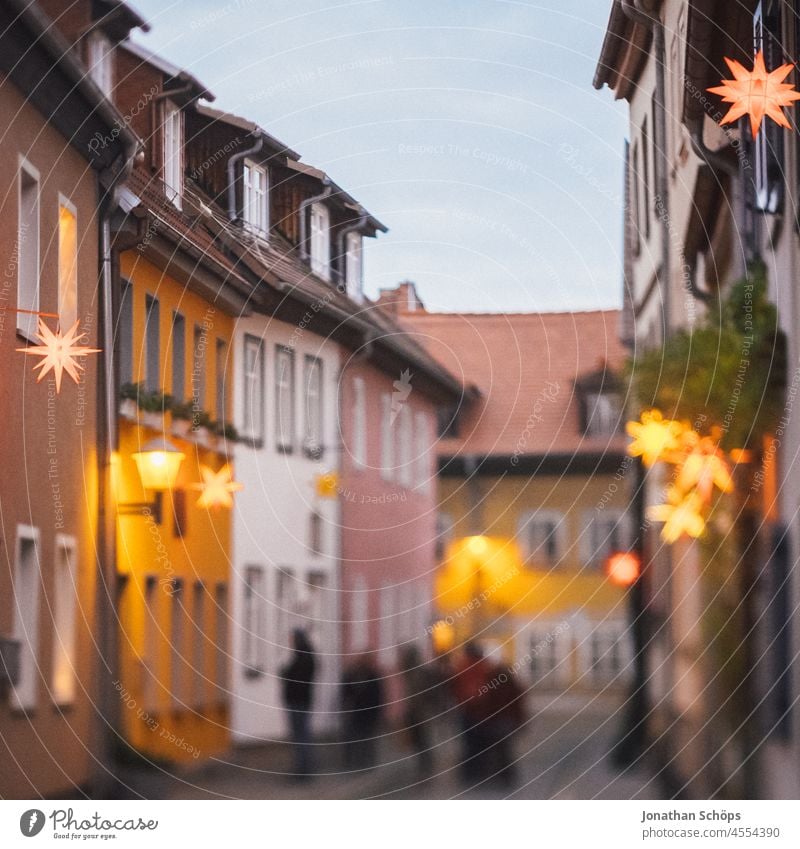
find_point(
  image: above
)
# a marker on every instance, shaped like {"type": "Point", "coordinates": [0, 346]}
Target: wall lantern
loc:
{"type": "Point", "coordinates": [158, 464]}
{"type": "Point", "coordinates": [623, 568]}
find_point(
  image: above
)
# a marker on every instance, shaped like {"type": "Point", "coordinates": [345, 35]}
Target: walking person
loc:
{"type": "Point", "coordinates": [362, 705]}
{"type": "Point", "coordinates": [503, 701]}
{"type": "Point", "coordinates": [298, 690]}
{"type": "Point", "coordinates": [469, 683]}
{"type": "Point", "coordinates": [418, 707]}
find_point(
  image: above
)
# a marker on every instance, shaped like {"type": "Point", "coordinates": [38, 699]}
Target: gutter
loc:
{"type": "Point", "coordinates": [304, 252]}
{"type": "Point", "coordinates": [635, 11]}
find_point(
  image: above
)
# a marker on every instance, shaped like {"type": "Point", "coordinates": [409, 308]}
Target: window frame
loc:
{"type": "Point", "coordinates": [99, 61]}
{"type": "Point", "coordinates": [26, 322]}
{"type": "Point", "coordinates": [64, 621]}
{"type": "Point", "coordinates": [559, 536]}
{"type": "Point", "coordinates": [354, 258]}
{"type": "Point", "coordinates": [178, 358]}
{"type": "Point", "coordinates": [152, 343]}
{"type": "Point", "coordinates": [172, 152]}
{"type": "Point", "coordinates": [284, 447]}
{"type": "Point", "coordinates": [250, 198]}
{"type": "Point", "coordinates": [313, 450]}
{"type": "Point", "coordinates": [67, 314]}
{"type": "Point", "coordinates": [24, 696]}
{"type": "Point", "coordinates": [256, 436]}
{"type": "Point", "coordinates": [320, 240]}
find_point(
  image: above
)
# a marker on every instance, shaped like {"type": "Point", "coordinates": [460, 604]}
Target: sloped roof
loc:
{"type": "Point", "coordinates": [525, 366]}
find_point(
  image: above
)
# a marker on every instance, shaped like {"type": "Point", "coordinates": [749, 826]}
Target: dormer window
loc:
{"type": "Point", "coordinates": [354, 268]}
{"type": "Point", "coordinates": [320, 241]}
{"type": "Point", "coordinates": [603, 414]}
{"type": "Point", "coordinates": [173, 153]}
{"type": "Point", "coordinates": [99, 61]}
{"type": "Point", "coordinates": [255, 202]}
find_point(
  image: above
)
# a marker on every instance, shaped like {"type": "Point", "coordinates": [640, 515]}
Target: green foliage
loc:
{"type": "Point", "coordinates": [729, 372]}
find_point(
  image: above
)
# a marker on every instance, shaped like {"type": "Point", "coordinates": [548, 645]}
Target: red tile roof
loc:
{"type": "Point", "coordinates": [525, 366]}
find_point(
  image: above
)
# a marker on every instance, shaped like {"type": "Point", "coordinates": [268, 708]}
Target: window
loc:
{"type": "Point", "coordinates": [176, 640]}
{"type": "Point", "coordinates": [152, 344]}
{"type": "Point", "coordinates": [150, 646]}
{"type": "Point", "coordinates": [421, 452]}
{"type": "Point", "coordinates": [284, 399]}
{"type": "Point", "coordinates": [635, 204]}
{"type": "Point", "coordinates": [354, 268]}
{"type": "Point", "coordinates": [603, 532]}
{"type": "Point", "coordinates": [28, 250]}
{"type": "Point", "coordinates": [26, 616]}
{"type": "Point", "coordinates": [320, 241]}
{"type": "Point", "coordinates": [221, 641]}
{"type": "Point", "coordinates": [646, 178]}
{"type": "Point", "coordinates": [387, 437]}
{"type": "Point", "coordinates": [125, 333]}
{"type": "Point", "coordinates": [199, 674]}
{"type": "Point", "coordinates": [359, 613]}
{"type": "Point", "coordinates": [405, 446]}
{"type": "Point", "coordinates": [178, 356]}
{"type": "Point", "coordinates": [608, 654]}
{"type": "Point", "coordinates": [219, 368]}
{"type": "Point", "coordinates": [445, 531]}
{"type": "Point", "coordinates": [65, 595]}
{"type": "Point", "coordinates": [253, 401]}
{"type": "Point", "coordinates": [255, 635]}
{"type": "Point", "coordinates": [256, 198]}
{"type": "Point", "coordinates": [545, 648]}
{"type": "Point", "coordinates": [286, 599]}
{"type": "Point", "coordinates": [603, 413]}
{"type": "Point", "coordinates": [319, 619]}
{"type": "Point", "coordinates": [315, 533]}
{"type": "Point", "coordinates": [542, 537]}
{"type": "Point", "coordinates": [173, 153]}
{"type": "Point", "coordinates": [199, 367]}
{"type": "Point", "coordinates": [359, 448]}
{"type": "Point", "coordinates": [388, 636]}
{"type": "Point", "coordinates": [67, 264]}
{"type": "Point", "coordinates": [313, 439]}
{"type": "Point", "coordinates": [100, 53]}
{"type": "Point", "coordinates": [768, 144]}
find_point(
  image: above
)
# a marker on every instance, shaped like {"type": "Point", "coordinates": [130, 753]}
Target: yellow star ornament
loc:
{"type": "Point", "coordinates": [681, 515]}
{"type": "Point", "coordinates": [217, 487]}
{"type": "Point", "coordinates": [757, 93]}
{"type": "Point", "coordinates": [653, 436]}
{"type": "Point", "coordinates": [703, 470]}
{"type": "Point", "coordinates": [59, 352]}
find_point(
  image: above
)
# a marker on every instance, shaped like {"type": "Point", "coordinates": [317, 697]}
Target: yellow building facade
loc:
{"type": "Point", "coordinates": [174, 573]}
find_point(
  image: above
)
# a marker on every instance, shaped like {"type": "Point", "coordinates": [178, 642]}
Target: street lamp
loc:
{"type": "Point", "coordinates": [158, 464]}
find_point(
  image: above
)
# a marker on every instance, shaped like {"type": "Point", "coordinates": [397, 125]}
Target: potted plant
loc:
{"type": "Point", "coordinates": [182, 413]}
{"type": "Point", "coordinates": [153, 406]}
{"type": "Point", "coordinates": [128, 398]}
{"type": "Point", "coordinates": [226, 432]}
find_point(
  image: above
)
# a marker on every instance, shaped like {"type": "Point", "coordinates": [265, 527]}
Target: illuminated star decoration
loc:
{"type": "Point", "coordinates": [681, 515]}
{"type": "Point", "coordinates": [59, 352]}
{"type": "Point", "coordinates": [653, 436]}
{"type": "Point", "coordinates": [217, 487]}
{"type": "Point", "coordinates": [327, 485]}
{"type": "Point", "coordinates": [757, 93]}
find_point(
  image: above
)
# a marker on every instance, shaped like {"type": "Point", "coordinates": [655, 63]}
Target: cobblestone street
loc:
{"type": "Point", "coordinates": [562, 754]}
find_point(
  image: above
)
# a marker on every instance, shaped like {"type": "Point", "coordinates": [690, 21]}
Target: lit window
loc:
{"type": "Point", "coordinates": [27, 249]}
{"type": "Point", "coordinates": [173, 153]}
{"type": "Point", "coordinates": [27, 581]}
{"type": "Point", "coordinates": [100, 52]}
{"type": "Point", "coordinates": [320, 241]}
{"type": "Point", "coordinates": [359, 449]}
{"type": "Point", "coordinates": [256, 198]}
{"type": "Point", "coordinates": [354, 267]}
{"type": "Point", "coordinates": [253, 401]}
{"type": "Point", "coordinates": [64, 607]}
{"type": "Point", "coordinates": [284, 399]}
{"type": "Point", "coordinates": [313, 440]}
{"type": "Point", "coordinates": [255, 620]}
{"type": "Point", "coordinates": [67, 264]}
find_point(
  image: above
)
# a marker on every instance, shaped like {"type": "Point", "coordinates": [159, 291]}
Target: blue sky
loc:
{"type": "Point", "coordinates": [469, 127]}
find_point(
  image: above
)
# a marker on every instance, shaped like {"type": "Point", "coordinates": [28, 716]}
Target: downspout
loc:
{"type": "Point", "coordinates": [340, 245]}
{"type": "Point", "coordinates": [232, 162]}
{"type": "Point", "coordinates": [635, 11]}
{"type": "Point", "coordinates": [108, 697]}
{"type": "Point", "coordinates": [304, 252]}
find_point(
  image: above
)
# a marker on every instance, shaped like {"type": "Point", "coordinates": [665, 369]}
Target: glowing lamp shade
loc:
{"type": "Point", "coordinates": [442, 636]}
{"type": "Point", "coordinates": [158, 463]}
{"type": "Point", "coordinates": [622, 568]}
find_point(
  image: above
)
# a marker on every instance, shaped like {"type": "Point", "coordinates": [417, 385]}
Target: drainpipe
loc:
{"type": "Point", "coordinates": [232, 162]}
{"type": "Point", "coordinates": [304, 252]}
{"type": "Point", "coordinates": [340, 245]}
{"type": "Point", "coordinates": [635, 11]}
{"type": "Point", "coordinates": [108, 696]}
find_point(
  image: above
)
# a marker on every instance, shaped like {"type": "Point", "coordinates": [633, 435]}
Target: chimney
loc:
{"type": "Point", "coordinates": [403, 298]}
